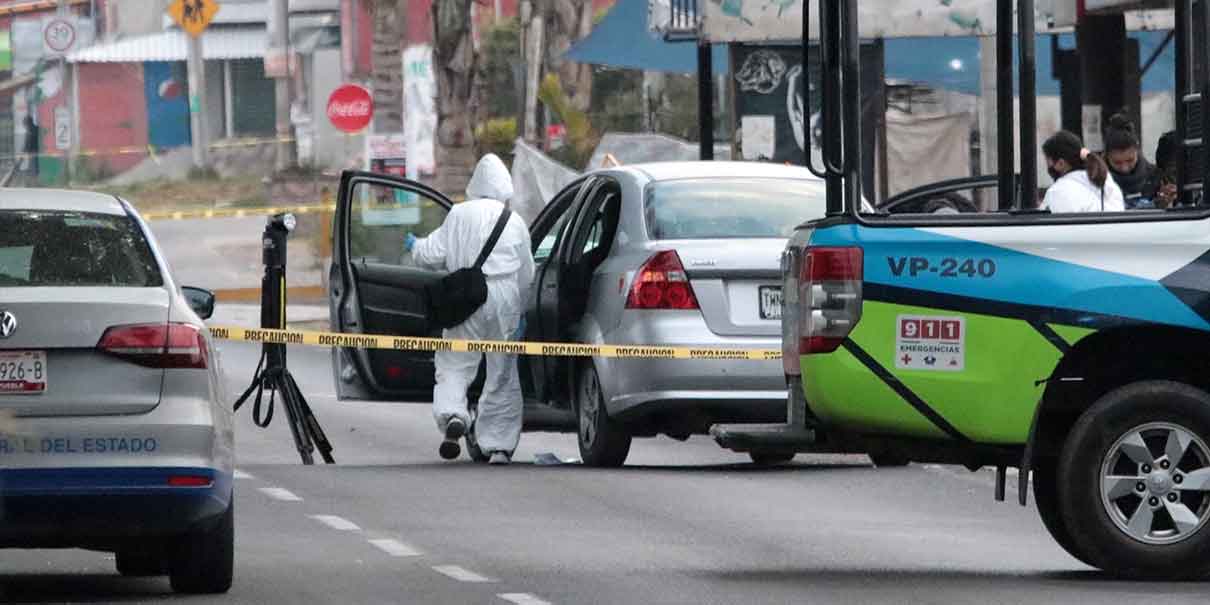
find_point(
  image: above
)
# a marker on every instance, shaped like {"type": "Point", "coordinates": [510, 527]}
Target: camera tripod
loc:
{"type": "Point", "coordinates": [271, 371]}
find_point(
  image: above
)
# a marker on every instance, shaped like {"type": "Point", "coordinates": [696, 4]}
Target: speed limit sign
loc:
{"type": "Point", "coordinates": [59, 34]}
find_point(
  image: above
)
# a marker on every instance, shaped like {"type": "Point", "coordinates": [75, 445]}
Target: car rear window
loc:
{"type": "Point", "coordinates": [39, 248]}
{"type": "Point", "coordinates": [732, 208]}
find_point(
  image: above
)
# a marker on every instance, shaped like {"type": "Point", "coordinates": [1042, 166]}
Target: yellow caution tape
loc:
{"type": "Point", "coordinates": [556, 349]}
{"type": "Point", "coordinates": [234, 212]}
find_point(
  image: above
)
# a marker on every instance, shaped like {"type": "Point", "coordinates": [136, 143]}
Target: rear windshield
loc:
{"type": "Point", "coordinates": [39, 248]}
{"type": "Point", "coordinates": [732, 208]}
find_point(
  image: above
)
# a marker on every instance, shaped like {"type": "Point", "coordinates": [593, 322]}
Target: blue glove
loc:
{"type": "Point", "coordinates": [409, 242]}
{"type": "Point", "coordinates": [520, 333]}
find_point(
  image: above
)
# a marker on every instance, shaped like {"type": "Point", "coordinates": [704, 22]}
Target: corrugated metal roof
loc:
{"type": "Point", "coordinates": [217, 44]}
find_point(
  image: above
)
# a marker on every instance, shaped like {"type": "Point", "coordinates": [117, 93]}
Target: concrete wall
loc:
{"type": "Point", "coordinates": [139, 16]}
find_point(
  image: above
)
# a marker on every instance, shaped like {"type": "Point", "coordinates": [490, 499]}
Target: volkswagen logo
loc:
{"type": "Point", "coordinates": [8, 324]}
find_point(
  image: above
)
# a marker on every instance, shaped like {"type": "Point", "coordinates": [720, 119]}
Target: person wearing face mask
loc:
{"type": "Point", "coordinates": [1082, 180]}
{"type": "Point", "coordinates": [1130, 170]}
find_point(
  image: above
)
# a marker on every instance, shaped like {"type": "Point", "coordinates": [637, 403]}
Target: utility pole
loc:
{"type": "Point", "coordinates": [198, 122]}
{"type": "Point", "coordinates": [279, 45]}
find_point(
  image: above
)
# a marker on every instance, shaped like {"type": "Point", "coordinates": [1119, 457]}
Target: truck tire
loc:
{"type": "Point", "coordinates": [1136, 475]}
{"type": "Point", "coordinates": [1046, 498]}
{"type": "Point", "coordinates": [204, 560]}
{"type": "Point", "coordinates": [603, 442]}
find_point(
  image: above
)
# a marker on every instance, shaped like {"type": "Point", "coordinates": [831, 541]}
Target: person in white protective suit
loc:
{"type": "Point", "coordinates": [509, 271]}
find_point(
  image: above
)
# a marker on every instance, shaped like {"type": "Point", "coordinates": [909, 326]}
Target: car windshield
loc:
{"type": "Point", "coordinates": [40, 248]}
{"type": "Point", "coordinates": [731, 208]}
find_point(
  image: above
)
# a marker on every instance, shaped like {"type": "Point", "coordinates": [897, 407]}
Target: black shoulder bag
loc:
{"type": "Point", "coordinates": [455, 297]}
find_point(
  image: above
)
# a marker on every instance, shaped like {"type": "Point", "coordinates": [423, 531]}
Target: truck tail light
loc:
{"type": "Point", "coordinates": [661, 283]}
{"type": "Point", "coordinates": [829, 297]}
{"type": "Point", "coordinates": [166, 345]}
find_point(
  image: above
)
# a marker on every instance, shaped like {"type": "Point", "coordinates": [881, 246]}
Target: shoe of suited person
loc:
{"type": "Point", "coordinates": [454, 430]}
{"type": "Point", "coordinates": [499, 458]}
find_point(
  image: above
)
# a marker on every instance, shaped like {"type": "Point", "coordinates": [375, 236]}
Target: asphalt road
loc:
{"type": "Point", "coordinates": [684, 523]}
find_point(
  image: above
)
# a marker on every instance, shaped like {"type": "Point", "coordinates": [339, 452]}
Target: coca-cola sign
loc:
{"type": "Point", "coordinates": [350, 108]}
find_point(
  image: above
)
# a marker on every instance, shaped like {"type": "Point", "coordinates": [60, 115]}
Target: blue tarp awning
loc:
{"type": "Point", "coordinates": [622, 39]}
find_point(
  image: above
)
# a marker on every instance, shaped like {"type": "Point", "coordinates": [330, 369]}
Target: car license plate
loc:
{"type": "Point", "coordinates": [770, 302]}
{"type": "Point", "coordinates": [22, 372]}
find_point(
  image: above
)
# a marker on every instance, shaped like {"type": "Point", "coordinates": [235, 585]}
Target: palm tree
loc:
{"type": "Point", "coordinates": [390, 33]}
{"type": "Point", "coordinates": [455, 64]}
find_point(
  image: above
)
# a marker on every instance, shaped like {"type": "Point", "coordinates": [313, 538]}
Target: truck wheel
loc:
{"type": "Point", "coordinates": [204, 561]}
{"type": "Point", "coordinates": [133, 564]}
{"type": "Point", "coordinates": [603, 442]}
{"type": "Point", "coordinates": [1136, 477]}
{"type": "Point", "coordinates": [771, 458]}
{"type": "Point", "coordinates": [1046, 498]}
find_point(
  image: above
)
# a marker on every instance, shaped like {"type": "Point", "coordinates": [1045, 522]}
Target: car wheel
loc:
{"type": "Point", "coordinates": [1136, 475]}
{"type": "Point", "coordinates": [204, 561]}
{"type": "Point", "coordinates": [603, 442]}
{"type": "Point", "coordinates": [888, 459]}
{"type": "Point", "coordinates": [1046, 499]}
{"type": "Point", "coordinates": [771, 458]}
{"type": "Point", "coordinates": [138, 564]}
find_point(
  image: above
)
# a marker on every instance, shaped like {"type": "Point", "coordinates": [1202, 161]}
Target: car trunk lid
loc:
{"type": "Point", "coordinates": [62, 327]}
{"type": "Point", "coordinates": [733, 279]}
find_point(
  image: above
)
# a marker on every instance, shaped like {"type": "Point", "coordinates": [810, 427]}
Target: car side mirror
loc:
{"type": "Point", "coordinates": [200, 300]}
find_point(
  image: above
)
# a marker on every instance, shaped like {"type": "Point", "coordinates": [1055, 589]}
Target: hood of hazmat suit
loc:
{"type": "Point", "coordinates": [491, 180]}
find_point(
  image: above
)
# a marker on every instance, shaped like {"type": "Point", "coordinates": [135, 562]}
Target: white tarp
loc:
{"type": "Point", "coordinates": [536, 179]}
{"type": "Point", "coordinates": [926, 149]}
{"type": "Point", "coordinates": [773, 20]}
{"type": "Point", "coordinates": [419, 109]}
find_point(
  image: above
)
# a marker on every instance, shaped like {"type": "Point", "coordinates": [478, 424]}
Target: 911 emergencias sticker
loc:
{"type": "Point", "coordinates": [930, 343]}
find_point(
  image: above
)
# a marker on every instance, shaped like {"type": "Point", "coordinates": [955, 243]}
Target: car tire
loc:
{"type": "Point", "coordinates": [888, 459]}
{"type": "Point", "coordinates": [603, 441]}
{"type": "Point", "coordinates": [135, 564]}
{"type": "Point", "coordinates": [1046, 499]}
{"type": "Point", "coordinates": [1105, 462]}
{"type": "Point", "coordinates": [204, 561]}
{"type": "Point", "coordinates": [771, 458]}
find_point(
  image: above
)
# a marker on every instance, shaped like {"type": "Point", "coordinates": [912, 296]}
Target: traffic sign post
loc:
{"type": "Point", "coordinates": [194, 16]}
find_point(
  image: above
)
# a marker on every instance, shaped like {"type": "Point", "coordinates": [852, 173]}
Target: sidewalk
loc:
{"type": "Point", "coordinates": [298, 317]}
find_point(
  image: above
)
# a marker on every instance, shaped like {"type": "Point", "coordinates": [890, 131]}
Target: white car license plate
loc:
{"type": "Point", "coordinates": [770, 302]}
{"type": "Point", "coordinates": [22, 372]}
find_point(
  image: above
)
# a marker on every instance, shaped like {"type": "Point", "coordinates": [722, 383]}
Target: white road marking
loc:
{"type": "Point", "coordinates": [395, 548]}
{"type": "Point", "coordinates": [242, 475]}
{"type": "Point", "coordinates": [335, 522]}
{"type": "Point", "coordinates": [278, 493]}
{"type": "Point", "coordinates": [460, 574]}
{"type": "Point", "coordinates": [522, 598]}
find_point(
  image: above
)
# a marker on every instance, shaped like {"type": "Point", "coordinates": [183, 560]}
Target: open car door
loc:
{"type": "Point", "coordinates": [375, 286]}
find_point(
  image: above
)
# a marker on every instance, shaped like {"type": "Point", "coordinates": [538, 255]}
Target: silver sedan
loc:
{"type": "Point", "coordinates": [114, 435]}
{"type": "Point", "coordinates": [677, 254]}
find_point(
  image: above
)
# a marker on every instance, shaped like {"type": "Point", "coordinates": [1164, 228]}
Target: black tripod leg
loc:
{"type": "Point", "coordinates": [312, 423]}
{"type": "Point", "coordinates": [298, 426]}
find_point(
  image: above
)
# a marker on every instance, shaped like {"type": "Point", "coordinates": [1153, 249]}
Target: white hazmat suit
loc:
{"type": "Point", "coordinates": [509, 270]}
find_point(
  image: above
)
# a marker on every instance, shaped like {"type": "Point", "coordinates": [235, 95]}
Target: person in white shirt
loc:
{"type": "Point", "coordinates": [1082, 180]}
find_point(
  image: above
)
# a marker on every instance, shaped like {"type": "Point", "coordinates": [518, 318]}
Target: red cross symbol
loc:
{"type": "Point", "coordinates": [906, 359]}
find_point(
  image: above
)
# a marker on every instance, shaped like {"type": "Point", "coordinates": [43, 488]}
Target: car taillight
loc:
{"type": "Point", "coordinates": [829, 297]}
{"type": "Point", "coordinates": [661, 283]}
{"type": "Point", "coordinates": [170, 345]}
